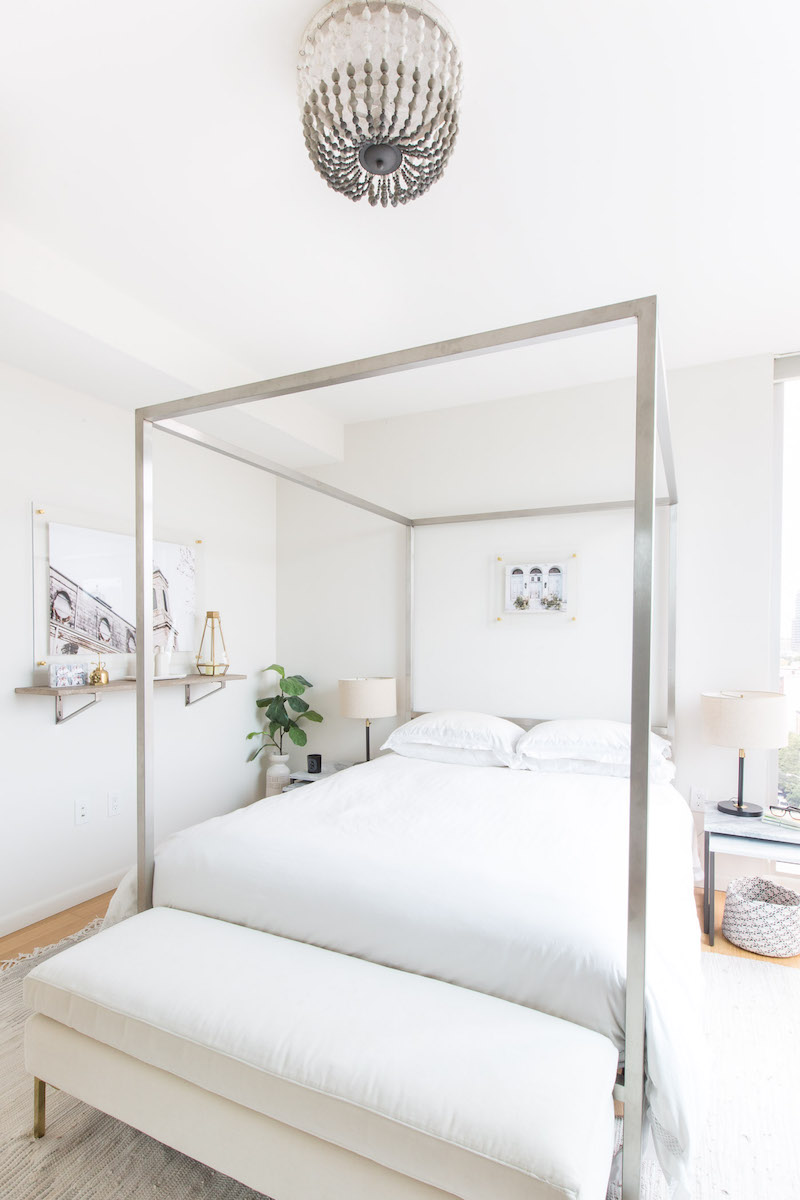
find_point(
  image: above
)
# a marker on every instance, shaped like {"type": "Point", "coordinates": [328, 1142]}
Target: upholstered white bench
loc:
{"type": "Point", "coordinates": [311, 1075]}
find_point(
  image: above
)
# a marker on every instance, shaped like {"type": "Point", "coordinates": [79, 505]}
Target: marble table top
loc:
{"type": "Point", "coordinates": [754, 827]}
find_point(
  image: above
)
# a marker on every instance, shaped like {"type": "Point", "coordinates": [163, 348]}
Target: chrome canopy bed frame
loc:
{"type": "Point", "coordinates": [652, 435]}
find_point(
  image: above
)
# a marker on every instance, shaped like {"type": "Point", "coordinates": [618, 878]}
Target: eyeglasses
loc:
{"type": "Point", "coordinates": [790, 811]}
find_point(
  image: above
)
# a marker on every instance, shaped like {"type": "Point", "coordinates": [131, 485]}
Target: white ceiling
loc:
{"type": "Point", "coordinates": [165, 232]}
{"type": "Point", "coordinates": [586, 358]}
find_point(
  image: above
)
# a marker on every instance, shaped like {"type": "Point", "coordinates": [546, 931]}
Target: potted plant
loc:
{"type": "Point", "coordinates": [281, 724]}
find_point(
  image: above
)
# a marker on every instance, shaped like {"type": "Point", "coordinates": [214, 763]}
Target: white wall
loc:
{"type": "Point", "coordinates": [558, 448]}
{"type": "Point", "coordinates": [531, 665]}
{"type": "Point", "coordinates": [341, 610]}
{"type": "Point", "coordinates": [341, 591]}
{"type": "Point", "coordinates": [71, 453]}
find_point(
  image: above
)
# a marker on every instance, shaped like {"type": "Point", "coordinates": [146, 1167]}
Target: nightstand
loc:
{"type": "Point", "coordinates": [743, 836]}
{"type": "Point", "coordinates": [301, 778]}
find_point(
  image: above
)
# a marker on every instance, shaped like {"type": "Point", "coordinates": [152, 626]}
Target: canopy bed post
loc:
{"type": "Point", "coordinates": [664, 435]}
{"type": "Point", "coordinates": [409, 647]}
{"type": "Point", "coordinates": [652, 432]}
{"type": "Point", "coordinates": [672, 619]}
{"type": "Point", "coordinates": [145, 848]}
{"type": "Point", "coordinates": [643, 537]}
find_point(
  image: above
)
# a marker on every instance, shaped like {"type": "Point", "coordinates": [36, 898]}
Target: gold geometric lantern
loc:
{"type": "Point", "coordinates": [212, 657]}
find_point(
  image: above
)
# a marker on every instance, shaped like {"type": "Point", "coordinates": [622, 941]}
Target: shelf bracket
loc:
{"type": "Point", "coordinates": [60, 718]}
{"type": "Point", "coordinates": [188, 693]}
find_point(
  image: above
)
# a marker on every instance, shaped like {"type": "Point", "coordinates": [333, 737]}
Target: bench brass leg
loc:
{"type": "Point", "coordinates": [39, 1105]}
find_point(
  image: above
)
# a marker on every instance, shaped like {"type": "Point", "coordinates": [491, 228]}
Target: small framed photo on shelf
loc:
{"type": "Point", "coordinates": [68, 674]}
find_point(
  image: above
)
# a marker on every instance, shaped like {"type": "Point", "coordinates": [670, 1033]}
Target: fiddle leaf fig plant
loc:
{"type": "Point", "coordinates": [279, 721]}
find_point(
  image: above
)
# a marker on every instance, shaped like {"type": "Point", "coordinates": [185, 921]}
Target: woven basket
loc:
{"type": "Point", "coordinates": [763, 917]}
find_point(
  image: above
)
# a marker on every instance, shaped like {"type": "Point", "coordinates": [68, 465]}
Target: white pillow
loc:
{"type": "Point", "coordinates": [450, 754]}
{"type": "Point", "coordinates": [599, 741]}
{"type": "Point", "coordinates": [661, 770]}
{"type": "Point", "coordinates": [455, 730]}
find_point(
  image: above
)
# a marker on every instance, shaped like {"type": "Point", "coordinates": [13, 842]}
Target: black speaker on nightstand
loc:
{"type": "Point", "coordinates": [314, 762]}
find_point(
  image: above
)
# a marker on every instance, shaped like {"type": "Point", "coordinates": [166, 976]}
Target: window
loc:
{"type": "Point", "coordinates": [789, 757]}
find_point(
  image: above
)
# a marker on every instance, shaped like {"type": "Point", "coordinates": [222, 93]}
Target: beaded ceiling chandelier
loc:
{"type": "Point", "coordinates": [379, 87]}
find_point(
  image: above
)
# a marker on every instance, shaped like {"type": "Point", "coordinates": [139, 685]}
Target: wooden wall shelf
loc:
{"type": "Point", "coordinates": [97, 690]}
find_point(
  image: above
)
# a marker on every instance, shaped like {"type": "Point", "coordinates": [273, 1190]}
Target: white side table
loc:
{"type": "Point", "coordinates": [746, 836]}
{"type": "Point", "coordinates": [306, 777]}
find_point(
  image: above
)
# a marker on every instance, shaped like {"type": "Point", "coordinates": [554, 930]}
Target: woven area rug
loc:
{"type": "Point", "coordinates": [751, 1147]}
{"type": "Point", "coordinates": [85, 1155]}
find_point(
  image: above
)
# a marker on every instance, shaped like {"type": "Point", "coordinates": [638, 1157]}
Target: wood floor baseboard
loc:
{"type": "Point", "coordinates": [54, 906]}
{"type": "Point", "coordinates": [52, 929]}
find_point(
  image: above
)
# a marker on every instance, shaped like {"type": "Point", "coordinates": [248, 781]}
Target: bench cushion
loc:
{"type": "Point", "coordinates": [471, 1094]}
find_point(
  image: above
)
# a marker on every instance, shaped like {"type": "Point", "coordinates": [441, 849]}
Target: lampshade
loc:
{"type": "Point", "coordinates": [368, 698]}
{"type": "Point", "coordinates": [746, 720]}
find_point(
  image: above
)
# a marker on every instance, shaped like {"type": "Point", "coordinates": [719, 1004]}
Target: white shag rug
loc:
{"type": "Point", "coordinates": [750, 1151]}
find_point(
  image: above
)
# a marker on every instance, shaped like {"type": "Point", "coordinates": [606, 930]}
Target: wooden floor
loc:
{"type": "Point", "coordinates": [53, 929]}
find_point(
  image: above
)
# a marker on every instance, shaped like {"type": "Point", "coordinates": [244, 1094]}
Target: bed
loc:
{"type": "Point", "coordinates": [450, 874]}
{"type": "Point", "coordinates": [502, 881]}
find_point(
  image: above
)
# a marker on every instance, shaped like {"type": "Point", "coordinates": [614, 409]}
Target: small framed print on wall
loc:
{"type": "Point", "coordinates": [538, 586]}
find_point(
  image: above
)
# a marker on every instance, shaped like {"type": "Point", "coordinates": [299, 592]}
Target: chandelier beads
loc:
{"type": "Point", "coordinates": [379, 86]}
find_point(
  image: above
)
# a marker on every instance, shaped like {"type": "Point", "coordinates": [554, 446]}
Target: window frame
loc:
{"type": "Point", "coordinates": [786, 369]}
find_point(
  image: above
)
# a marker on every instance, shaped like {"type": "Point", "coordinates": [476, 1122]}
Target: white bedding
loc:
{"type": "Point", "coordinates": [508, 882]}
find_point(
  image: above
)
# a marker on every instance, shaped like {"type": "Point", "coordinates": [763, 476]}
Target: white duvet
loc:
{"type": "Point", "coordinates": [508, 882]}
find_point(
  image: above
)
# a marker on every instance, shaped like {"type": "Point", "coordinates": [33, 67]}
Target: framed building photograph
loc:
{"type": "Point", "coordinates": [92, 593]}
{"type": "Point", "coordinates": [536, 587]}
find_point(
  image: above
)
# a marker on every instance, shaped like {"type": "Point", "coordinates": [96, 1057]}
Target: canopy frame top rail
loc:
{"type": "Point", "coordinates": [652, 435]}
{"type": "Point", "coordinates": [165, 416]}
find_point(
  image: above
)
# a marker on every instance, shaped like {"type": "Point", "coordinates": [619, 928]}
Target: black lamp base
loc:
{"type": "Point", "coordinates": [734, 809]}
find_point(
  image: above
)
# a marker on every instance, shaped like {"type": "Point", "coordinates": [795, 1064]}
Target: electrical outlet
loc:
{"type": "Point", "coordinates": [699, 799]}
{"type": "Point", "coordinates": [114, 804]}
{"type": "Point", "coordinates": [81, 811]}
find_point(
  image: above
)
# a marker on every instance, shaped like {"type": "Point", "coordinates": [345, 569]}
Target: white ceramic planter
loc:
{"type": "Point", "coordinates": [278, 773]}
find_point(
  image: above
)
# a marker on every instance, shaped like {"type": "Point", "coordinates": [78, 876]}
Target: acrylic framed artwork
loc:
{"type": "Point", "coordinates": [84, 597]}
{"type": "Point", "coordinates": [92, 593]}
{"type": "Point", "coordinates": [538, 586]}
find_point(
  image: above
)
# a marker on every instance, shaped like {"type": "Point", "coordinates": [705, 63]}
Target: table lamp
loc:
{"type": "Point", "coordinates": [751, 720]}
{"type": "Point", "coordinates": [367, 699]}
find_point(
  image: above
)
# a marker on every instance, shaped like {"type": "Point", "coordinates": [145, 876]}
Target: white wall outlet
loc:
{"type": "Point", "coordinates": [114, 804]}
{"type": "Point", "coordinates": [699, 799]}
{"type": "Point", "coordinates": [81, 811]}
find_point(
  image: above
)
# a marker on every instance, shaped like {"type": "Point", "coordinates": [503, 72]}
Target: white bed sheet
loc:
{"type": "Point", "coordinates": [509, 882]}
